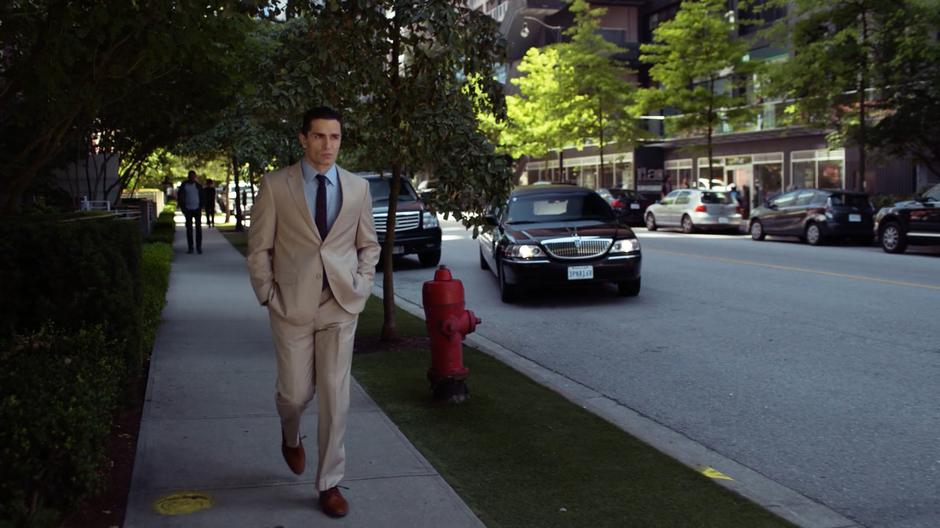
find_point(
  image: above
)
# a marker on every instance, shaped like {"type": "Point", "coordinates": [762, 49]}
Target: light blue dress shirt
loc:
{"type": "Point", "coordinates": [334, 198]}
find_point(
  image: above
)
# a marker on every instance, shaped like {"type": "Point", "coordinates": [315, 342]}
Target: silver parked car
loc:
{"type": "Point", "coordinates": [693, 209]}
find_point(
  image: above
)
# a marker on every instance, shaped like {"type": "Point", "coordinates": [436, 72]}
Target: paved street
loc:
{"type": "Point", "coordinates": [817, 367]}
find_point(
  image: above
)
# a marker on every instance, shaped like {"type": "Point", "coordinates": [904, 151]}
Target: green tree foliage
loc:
{"type": "Point", "coordinates": [133, 75]}
{"type": "Point", "coordinates": [400, 70]}
{"type": "Point", "coordinates": [840, 71]}
{"type": "Point", "coordinates": [601, 95]}
{"type": "Point", "coordinates": [701, 71]}
{"type": "Point", "coordinates": [537, 116]}
{"type": "Point", "coordinates": [252, 135]}
{"type": "Point", "coordinates": [571, 93]}
{"type": "Point", "coordinates": [907, 75]}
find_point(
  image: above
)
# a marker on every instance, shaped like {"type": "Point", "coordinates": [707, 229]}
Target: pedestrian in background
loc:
{"type": "Point", "coordinates": [208, 202]}
{"type": "Point", "coordinates": [667, 186]}
{"type": "Point", "coordinates": [189, 200]}
{"type": "Point", "coordinates": [313, 268]}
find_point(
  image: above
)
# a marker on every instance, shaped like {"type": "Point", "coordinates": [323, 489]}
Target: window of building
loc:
{"type": "Point", "coordinates": [680, 172]}
{"type": "Point", "coordinates": [822, 169]}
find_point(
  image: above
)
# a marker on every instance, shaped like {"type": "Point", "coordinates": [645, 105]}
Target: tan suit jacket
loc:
{"type": "Point", "coordinates": [286, 256]}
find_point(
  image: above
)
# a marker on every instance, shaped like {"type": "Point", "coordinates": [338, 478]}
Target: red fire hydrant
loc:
{"type": "Point", "coordinates": [448, 323]}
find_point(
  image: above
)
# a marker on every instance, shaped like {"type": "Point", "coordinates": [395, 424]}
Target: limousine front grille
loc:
{"type": "Point", "coordinates": [577, 247]}
{"type": "Point", "coordinates": [404, 221]}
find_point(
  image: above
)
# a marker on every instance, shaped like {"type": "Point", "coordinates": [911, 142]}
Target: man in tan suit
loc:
{"type": "Point", "coordinates": [312, 251]}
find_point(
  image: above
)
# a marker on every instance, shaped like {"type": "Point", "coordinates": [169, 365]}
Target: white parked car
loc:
{"type": "Point", "coordinates": [695, 209]}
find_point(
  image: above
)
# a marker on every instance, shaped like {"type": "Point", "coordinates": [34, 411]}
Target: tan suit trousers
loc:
{"type": "Point", "coordinates": [316, 358]}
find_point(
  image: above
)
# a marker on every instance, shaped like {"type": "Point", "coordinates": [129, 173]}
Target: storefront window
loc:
{"type": "Point", "coordinates": [768, 181]}
{"type": "Point", "coordinates": [830, 174]}
{"type": "Point", "coordinates": [804, 174]}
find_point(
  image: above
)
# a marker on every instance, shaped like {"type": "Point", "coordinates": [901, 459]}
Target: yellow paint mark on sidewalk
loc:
{"type": "Point", "coordinates": [711, 472]}
{"type": "Point", "coordinates": [800, 270]}
{"type": "Point", "coordinates": [182, 503]}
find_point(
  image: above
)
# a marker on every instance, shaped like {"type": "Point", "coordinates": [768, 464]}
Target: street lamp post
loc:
{"type": "Point", "coordinates": [524, 32]}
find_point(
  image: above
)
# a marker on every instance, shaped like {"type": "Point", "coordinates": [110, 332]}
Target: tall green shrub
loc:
{"type": "Point", "coordinates": [76, 273]}
{"type": "Point", "coordinates": [57, 393]}
{"type": "Point", "coordinates": [155, 278]}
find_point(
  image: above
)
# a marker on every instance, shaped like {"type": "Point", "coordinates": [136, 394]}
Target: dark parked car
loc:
{"type": "Point", "coordinates": [627, 204]}
{"type": "Point", "coordinates": [417, 230]}
{"type": "Point", "coordinates": [558, 234]}
{"type": "Point", "coordinates": [815, 215]}
{"type": "Point", "coordinates": [912, 222]}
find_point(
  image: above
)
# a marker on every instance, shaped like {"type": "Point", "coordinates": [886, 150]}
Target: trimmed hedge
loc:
{"type": "Point", "coordinates": [155, 278]}
{"type": "Point", "coordinates": [57, 394]}
{"type": "Point", "coordinates": [76, 273]}
{"type": "Point", "coordinates": [163, 229]}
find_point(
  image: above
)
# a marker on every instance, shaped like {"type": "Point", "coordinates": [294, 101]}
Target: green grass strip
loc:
{"type": "Point", "coordinates": [521, 455]}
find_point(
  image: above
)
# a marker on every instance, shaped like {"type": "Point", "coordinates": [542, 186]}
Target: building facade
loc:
{"type": "Point", "coordinates": [764, 156]}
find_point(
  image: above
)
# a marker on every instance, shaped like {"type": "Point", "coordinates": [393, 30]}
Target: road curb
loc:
{"type": "Point", "coordinates": [775, 497]}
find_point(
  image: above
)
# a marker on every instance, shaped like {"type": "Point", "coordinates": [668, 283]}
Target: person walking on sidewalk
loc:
{"type": "Point", "coordinates": [189, 200]}
{"type": "Point", "coordinates": [312, 251]}
{"type": "Point", "coordinates": [208, 202]}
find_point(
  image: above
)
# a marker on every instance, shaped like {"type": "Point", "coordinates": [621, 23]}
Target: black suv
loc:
{"type": "Point", "coordinates": [417, 230]}
{"type": "Point", "coordinates": [815, 215]}
{"type": "Point", "coordinates": [911, 222]}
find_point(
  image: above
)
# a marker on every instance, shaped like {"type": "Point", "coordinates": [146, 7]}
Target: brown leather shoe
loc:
{"type": "Point", "coordinates": [294, 456]}
{"type": "Point", "coordinates": [332, 503]}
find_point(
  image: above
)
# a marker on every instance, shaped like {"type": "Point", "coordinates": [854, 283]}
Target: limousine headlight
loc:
{"type": "Point", "coordinates": [429, 220]}
{"type": "Point", "coordinates": [523, 251]}
{"type": "Point", "coordinates": [625, 245]}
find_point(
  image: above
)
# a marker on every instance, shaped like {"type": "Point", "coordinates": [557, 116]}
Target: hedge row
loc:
{"type": "Point", "coordinates": [76, 273]}
{"type": "Point", "coordinates": [58, 394]}
{"type": "Point", "coordinates": [155, 278]}
{"type": "Point", "coordinates": [79, 302]}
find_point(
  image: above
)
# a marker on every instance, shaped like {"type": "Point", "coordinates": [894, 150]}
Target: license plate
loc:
{"type": "Point", "coordinates": [634, 206]}
{"type": "Point", "coordinates": [580, 272]}
{"type": "Point", "coordinates": [398, 250]}
{"type": "Point", "coordinates": [722, 220]}
{"type": "Point", "coordinates": [855, 218]}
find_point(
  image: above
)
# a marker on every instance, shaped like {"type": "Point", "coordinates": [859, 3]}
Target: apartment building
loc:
{"type": "Point", "coordinates": [764, 155]}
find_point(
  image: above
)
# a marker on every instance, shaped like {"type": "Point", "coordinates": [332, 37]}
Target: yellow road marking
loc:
{"type": "Point", "coordinates": [182, 503]}
{"type": "Point", "coordinates": [714, 473]}
{"type": "Point", "coordinates": [800, 270]}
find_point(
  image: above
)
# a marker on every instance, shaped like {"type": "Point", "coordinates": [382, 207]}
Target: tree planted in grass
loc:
{"type": "Point", "coordinates": [403, 69]}
{"type": "Point", "coordinates": [701, 71]}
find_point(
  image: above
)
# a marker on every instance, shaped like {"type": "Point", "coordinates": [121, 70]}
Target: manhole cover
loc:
{"type": "Point", "coordinates": [183, 503]}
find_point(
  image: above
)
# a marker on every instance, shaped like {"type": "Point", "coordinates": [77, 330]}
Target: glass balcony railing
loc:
{"type": "Point", "coordinates": [770, 116]}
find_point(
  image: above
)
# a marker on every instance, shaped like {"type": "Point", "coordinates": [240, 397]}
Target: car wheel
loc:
{"type": "Point", "coordinates": [629, 288]}
{"type": "Point", "coordinates": [757, 230]}
{"type": "Point", "coordinates": [687, 226]}
{"type": "Point", "coordinates": [892, 238]}
{"type": "Point", "coordinates": [507, 292]}
{"type": "Point", "coordinates": [813, 235]}
{"type": "Point", "coordinates": [430, 258]}
{"type": "Point", "coordinates": [650, 222]}
{"type": "Point", "coordinates": [483, 265]}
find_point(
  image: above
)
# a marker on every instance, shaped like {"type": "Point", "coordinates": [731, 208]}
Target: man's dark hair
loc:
{"type": "Point", "coordinates": [320, 112]}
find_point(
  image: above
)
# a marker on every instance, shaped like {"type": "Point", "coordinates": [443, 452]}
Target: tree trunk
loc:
{"type": "Point", "coordinates": [228, 208]}
{"type": "Point", "coordinates": [238, 198]}
{"type": "Point", "coordinates": [862, 85]}
{"type": "Point", "coordinates": [389, 328]}
{"type": "Point", "coordinates": [600, 118]}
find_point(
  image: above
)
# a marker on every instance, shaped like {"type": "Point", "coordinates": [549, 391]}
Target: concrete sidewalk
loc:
{"type": "Point", "coordinates": [210, 431]}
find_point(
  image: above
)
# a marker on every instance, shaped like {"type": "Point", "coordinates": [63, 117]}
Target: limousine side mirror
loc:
{"type": "Point", "coordinates": [770, 205]}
